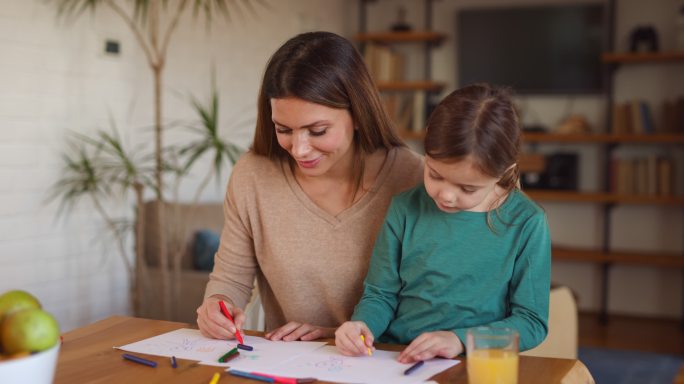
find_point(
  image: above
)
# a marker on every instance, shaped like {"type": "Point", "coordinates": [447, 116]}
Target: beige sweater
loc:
{"type": "Point", "coordinates": [309, 265]}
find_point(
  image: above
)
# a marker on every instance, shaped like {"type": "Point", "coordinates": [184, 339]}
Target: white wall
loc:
{"type": "Point", "coordinates": [55, 78]}
{"type": "Point", "coordinates": [633, 290]}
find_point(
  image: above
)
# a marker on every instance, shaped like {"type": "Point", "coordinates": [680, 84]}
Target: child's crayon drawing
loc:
{"type": "Point", "coordinates": [183, 343]}
{"type": "Point", "coordinates": [189, 344]}
{"type": "Point", "coordinates": [330, 364]}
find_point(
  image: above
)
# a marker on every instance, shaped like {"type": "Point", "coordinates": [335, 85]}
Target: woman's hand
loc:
{"type": "Point", "coordinates": [211, 321]}
{"type": "Point", "coordinates": [430, 344]}
{"type": "Point", "coordinates": [348, 338]}
{"type": "Point", "coordinates": [297, 331]}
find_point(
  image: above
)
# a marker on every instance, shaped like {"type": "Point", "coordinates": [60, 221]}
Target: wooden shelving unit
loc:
{"type": "Point", "coordinates": [599, 138]}
{"type": "Point", "coordinates": [645, 57]}
{"type": "Point", "coordinates": [603, 138]}
{"type": "Point", "coordinates": [401, 37]}
{"type": "Point", "coordinates": [664, 260]}
{"type": "Point", "coordinates": [609, 254]}
{"type": "Point", "coordinates": [429, 86]}
{"type": "Point", "coordinates": [426, 39]}
{"type": "Point", "coordinates": [603, 198]}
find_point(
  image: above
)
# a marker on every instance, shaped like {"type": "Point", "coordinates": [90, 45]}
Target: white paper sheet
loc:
{"type": "Point", "coordinates": [266, 353]}
{"type": "Point", "coordinates": [327, 364]}
{"type": "Point", "coordinates": [189, 344]}
{"type": "Point", "coordinates": [293, 359]}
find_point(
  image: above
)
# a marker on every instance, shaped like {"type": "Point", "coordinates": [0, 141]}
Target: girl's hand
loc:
{"type": "Point", "coordinates": [348, 339]}
{"type": "Point", "coordinates": [212, 323]}
{"type": "Point", "coordinates": [430, 344]}
{"type": "Point", "coordinates": [299, 331]}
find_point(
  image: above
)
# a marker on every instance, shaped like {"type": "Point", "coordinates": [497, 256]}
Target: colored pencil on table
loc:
{"type": "Point", "coordinates": [215, 378]}
{"type": "Point", "coordinates": [245, 347]}
{"type": "Point", "coordinates": [228, 354]}
{"type": "Point", "coordinates": [139, 360]}
{"type": "Point", "coordinates": [173, 362]}
{"type": "Point", "coordinates": [414, 367]}
{"type": "Point", "coordinates": [231, 357]}
{"type": "Point", "coordinates": [252, 376]}
{"type": "Point", "coordinates": [228, 315]}
{"type": "Point", "coordinates": [286, 380]}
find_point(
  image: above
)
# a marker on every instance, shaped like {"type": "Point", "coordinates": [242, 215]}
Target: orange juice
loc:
{"type": "Point", "coordinates": [492, 366]}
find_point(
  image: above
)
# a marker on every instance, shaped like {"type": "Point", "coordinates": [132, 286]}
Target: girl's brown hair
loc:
{"type": "Point", "coordinates": [479, 121]}
{"type": "Point", "coordinates": [326, 69]}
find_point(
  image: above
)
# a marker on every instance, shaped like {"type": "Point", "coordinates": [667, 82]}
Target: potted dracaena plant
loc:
{"type": "Point", "coordinates": [101, 168]}
{"type": "Point", "coordinates": [153, 23]}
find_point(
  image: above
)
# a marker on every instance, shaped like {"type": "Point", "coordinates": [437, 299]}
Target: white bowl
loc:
{"type": "Point", "coordinates": [38, 368]}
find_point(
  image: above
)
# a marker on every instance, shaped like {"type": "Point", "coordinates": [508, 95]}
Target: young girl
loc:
{"type": "Point", "coordinates": [465, 248]}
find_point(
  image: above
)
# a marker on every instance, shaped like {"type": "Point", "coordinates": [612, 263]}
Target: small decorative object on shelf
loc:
{"type": "Point", "coordinates": [556, 171]}
{"type": "Point", "coordinates": [401, 25]}
{"type": "Point", "coordinates": [643, 39]}
{"type": "Point", "coordinates": [574, 124]}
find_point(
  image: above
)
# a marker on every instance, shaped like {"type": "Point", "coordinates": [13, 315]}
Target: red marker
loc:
{"type": "Point", "coordinates": [227, 314]}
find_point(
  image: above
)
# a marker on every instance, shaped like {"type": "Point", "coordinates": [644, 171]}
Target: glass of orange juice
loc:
{"type": "Point", "coordinates": [492, 355]}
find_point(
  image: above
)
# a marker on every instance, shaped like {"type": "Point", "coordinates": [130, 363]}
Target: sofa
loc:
{"type": "Point", "coordinates": [182, 221]}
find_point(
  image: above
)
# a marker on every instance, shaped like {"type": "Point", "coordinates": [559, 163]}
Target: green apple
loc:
{"type": "Point", "coordinates": [13, 301]}
{"type": "Point", "coordinates": [29, 330]}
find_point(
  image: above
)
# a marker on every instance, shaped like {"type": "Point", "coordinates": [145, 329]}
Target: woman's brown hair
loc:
{"type": "Point", "coordinates": [479, 121]}
{"type": "Point", "coordinates": [326, 69]}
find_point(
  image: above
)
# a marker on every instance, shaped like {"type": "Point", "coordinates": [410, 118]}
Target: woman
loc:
{"type": "Point", "coordinates": [304, 205]}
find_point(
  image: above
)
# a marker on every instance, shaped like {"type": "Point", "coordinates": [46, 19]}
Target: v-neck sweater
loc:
{"type": "Point", "coordinates": [309, 264]}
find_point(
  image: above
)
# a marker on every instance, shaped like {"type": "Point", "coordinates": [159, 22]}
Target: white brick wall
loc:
{"type": "Point", "coordinates": [55, 77]}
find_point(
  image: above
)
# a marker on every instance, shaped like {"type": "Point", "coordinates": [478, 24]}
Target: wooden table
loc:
{"type": "Point", "coordinates": [87, 356]}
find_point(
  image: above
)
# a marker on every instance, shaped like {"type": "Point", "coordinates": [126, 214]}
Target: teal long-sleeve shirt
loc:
{"type": "Point", "coordinates": [437, 271]}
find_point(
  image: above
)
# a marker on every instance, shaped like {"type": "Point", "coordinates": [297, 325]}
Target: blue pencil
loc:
{"type": "Point", "coordinates": [245, 347]}
{"type": "Point", "coordinates": [173, 362]}
{"type": "Point", "coordinates": [414, 367]}
{"type": "Point", "coordinates": [139, 360]}
{"type": "Point", "coordinates": [248, 375]}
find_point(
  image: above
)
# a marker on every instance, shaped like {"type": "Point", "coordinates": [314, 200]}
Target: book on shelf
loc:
{"type": "Point", "coordinates": [672, 113]}
{"type": "Point", "coordinates": [651, 175]}
{"type": "Point", "coordinates": [404, 116]}
{"type": "Point", "coordinates": [622, 119]}
{"type": "Point", "coordinates": [665, 177]}
{"type": "Point", "coordinates": [384, 64]}
{"type": "Point", "coordinates": [418, 121]}
{"type": "Point", "coordinates": [633, 117]}
{"type": "Point", "coordinates": [399, 108]}
{"type": "Point", "coordinates": [646, 118]}
{"type": "Point", "coordinates": [637, 121]}
{"type": "Point", "coordinates": [641, 176]}
{"type": "Point", "coordinates": [622, 182]}
{"type": "Point", "coordinates": [407, 110]}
